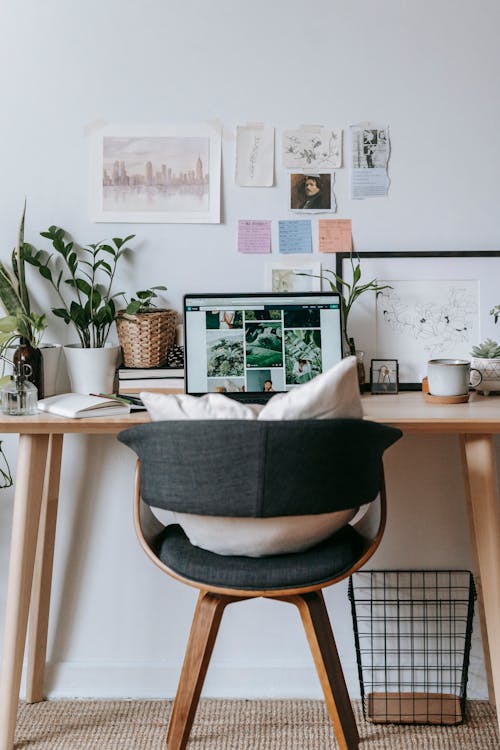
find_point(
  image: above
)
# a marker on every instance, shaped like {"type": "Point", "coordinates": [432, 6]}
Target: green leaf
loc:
{"type": "Point", "coordinates": [45, 272]}
{"type": "Point", "coordinates": [84, 287]}
{"type": "Point", "coordinates": [61, 312]}
{"type": "Point", "coordinates": [96, 299]}
{"type": "Point", "coordinates": [133, 307]}
{"type": "Point", "coordinates": [120, 242]}
{"type": "Point", "coordinates": [8, 324]}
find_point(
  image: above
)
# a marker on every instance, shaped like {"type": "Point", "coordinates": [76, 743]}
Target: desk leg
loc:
{"type": "Point", "coordinates": [478, 456]}
{"type": "Point", "coordinates": [27, 503]}
{"type": "Point", "coordinates": [42, 579]}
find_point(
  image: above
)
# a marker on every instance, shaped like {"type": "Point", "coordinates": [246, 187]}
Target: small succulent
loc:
{"type": "Point", "coordinates": [488, 349]}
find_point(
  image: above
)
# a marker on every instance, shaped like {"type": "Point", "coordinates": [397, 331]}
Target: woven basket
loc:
{"type": "Point", "coordinates": [146, 338]}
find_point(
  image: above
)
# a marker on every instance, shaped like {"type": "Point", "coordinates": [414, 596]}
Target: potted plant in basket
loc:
{"type": "Point", "coordinates": [486, 359]}
{"type": "Point", "coordinates": [20, 325]}
{"type": "Point", "coordinates": [82, 279]}
{"type": "Point", "coordinates": [146, 332]}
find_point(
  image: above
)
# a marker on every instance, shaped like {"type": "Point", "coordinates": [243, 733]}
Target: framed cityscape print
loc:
{"type": "Point", "coordinates": [437, 305]}
{"type": "Point", "coordinates": [156, 174]}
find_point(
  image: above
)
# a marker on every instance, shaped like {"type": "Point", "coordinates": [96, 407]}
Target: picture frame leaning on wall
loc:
{"type": "Point", "coordinates": [438, 306]}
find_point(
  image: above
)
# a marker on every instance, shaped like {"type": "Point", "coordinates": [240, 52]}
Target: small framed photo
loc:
{"type": "Point", "coordinates": [384, 376]}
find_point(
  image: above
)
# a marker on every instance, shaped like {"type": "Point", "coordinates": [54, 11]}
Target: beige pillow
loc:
{"type": "Point", "coordinates": [257, 537]}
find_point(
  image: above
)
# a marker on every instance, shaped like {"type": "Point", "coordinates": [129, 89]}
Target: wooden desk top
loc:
{"type": "Point", "coordinates": [406, 410]}
{"type": "Point", "coordinates": [47, 424]}
{"type": "Point", "coordinates": [409, 412]}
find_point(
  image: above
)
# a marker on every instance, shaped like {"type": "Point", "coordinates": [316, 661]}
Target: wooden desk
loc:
{"type": "Point", "coordinates": [35, 511]}
{"type": "Point", "coordinates": [32, 547]}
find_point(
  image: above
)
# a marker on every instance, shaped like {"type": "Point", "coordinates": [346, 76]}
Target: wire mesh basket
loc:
{"type": "Point", "coordinates": [412, 632]}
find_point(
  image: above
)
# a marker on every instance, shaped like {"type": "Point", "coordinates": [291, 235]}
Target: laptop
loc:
{"type": "Point", "coordinates": [252, 346]}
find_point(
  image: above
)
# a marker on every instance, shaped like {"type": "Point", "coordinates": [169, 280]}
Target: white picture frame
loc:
{"type": "Point", "coordinates": [284, 277]}
{"type": "Point", "coordinates": [438, 306]}
{"type": "Point", "coordinates": [156, 174]}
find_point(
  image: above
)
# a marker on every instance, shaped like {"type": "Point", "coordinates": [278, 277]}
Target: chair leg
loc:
{"type": "Point", "coordinates": [206, 621]}
{"type": "Point", "coordinates": [319, 633]}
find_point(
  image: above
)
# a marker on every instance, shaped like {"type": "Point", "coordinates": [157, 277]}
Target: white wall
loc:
{"type": "Point", "coordinates": [430, 70]}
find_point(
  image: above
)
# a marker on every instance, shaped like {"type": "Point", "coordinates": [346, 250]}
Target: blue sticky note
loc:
{"type": "Point", "coordinates": [295, 236]}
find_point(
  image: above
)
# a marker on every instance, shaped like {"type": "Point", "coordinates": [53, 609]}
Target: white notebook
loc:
{"type": "Point", "coordinates": [80, 405]}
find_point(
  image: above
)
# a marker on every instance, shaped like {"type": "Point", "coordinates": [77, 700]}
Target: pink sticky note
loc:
{"type": "Point", "coordinates": [254, 236]}
{"type": "Point", "coordinates": [335, 235]}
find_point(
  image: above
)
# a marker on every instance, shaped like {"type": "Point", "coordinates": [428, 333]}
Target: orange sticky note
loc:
{"type": "Point", "coordinates": [335, 235]}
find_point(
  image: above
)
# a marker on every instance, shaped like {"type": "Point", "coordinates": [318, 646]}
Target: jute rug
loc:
{"type": "Point", "coordinates": [233, 725]}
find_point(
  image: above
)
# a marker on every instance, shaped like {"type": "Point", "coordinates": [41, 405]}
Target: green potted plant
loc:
{"type": "Point", "coordinates": [82, 279]}
{"type": "Point", "coordinates": [486, 359]}
{"type": "Point", "coordinates": [349, 293]}
{"type": "Point", "coordinates": [146, 332]}
{"type": "Point", "coordinates": [20, 325]}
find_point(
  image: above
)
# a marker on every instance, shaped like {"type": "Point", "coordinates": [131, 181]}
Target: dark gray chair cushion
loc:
{"type": "Point", "coordinates": [260, 469]}
{"type": "Point", "coordinates": [318, 564]}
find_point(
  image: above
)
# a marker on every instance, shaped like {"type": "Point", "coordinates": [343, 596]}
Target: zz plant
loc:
{"type": "Point", "coordinates": [86, 275]}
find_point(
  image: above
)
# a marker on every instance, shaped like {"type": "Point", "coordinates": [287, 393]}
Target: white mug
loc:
{"type": "Point", "coordinates": [450, 377]}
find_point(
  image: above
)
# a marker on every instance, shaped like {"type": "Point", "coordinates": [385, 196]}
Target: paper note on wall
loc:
{"type": "Point", "coordinates": [312, 148]}
{"type": "Point", "coordinates": [370, 150]}
{"type": "Point", "coordinates": [254, 156]}
{"type": "Point", "coordinates": [254, 236]}
{"type": "Point", "coordinates": [295, 237]}
{"type": "Point", "coordinates": [335, 235]}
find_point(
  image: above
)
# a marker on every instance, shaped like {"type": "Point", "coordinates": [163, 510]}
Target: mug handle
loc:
{"type": "Point", "coordinates": [478, 382]}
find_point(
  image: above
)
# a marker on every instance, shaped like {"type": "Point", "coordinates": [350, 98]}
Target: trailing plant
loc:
{"type": "Point", "coordinates": [143, 301]}
{"type": "Point", "coordinates": [349, 292]}
{"type": "Point", "coordinates": [87, 274]}
{"type": "Point", "coordinates": [488, 349]}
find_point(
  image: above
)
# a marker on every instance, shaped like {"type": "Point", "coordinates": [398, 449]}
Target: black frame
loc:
{"type": "Point", "coordinates": [429, 254]}
{"type": "Point", "coordinates": [377, 387]}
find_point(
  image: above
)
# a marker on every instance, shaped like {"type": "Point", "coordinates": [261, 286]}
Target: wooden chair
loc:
{"type": "Point", "coordinates": [260, 469]}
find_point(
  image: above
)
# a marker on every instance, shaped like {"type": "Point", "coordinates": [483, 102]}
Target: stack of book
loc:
{"type": "Point", "coordinates": [157, 379]}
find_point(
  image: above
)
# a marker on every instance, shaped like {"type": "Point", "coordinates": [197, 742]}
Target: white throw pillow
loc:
{"type": "Point", "coordinates": [334, 394]}
{"type": "Point", "coordinates": [162, 406]}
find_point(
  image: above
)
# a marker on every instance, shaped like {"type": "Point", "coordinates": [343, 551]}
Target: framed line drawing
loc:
{"type": "Point", "coordinates": [438, 306]}
{"type": "Point", "coordinates": [156, 174]}
{"type": "Point", "coordinates": [283, 277]}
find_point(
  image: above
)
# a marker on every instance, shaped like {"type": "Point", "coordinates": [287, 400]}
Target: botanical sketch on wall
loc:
{"type": "Point", "coordinates": [312, 148]}
{"type": "Point", "coordinates": [438, 306]}
{"type": "Point", "coordinates": [157, 175]}
{"type": "Point", "coordinates": [254, 163]}
{"type": "Point", "coordinates": [424, 319]}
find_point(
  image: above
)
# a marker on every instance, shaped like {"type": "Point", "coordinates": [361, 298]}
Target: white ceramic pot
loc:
{"type": "Point", "coordinates": [55, 378]}
{"type": "Point", "coordinates": [92, 370]}
{"type": "Point", "coordinates": [490, 370]}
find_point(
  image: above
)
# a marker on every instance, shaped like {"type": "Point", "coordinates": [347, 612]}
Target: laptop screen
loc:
{"type": "Point", "coordinates": [259, 343]}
